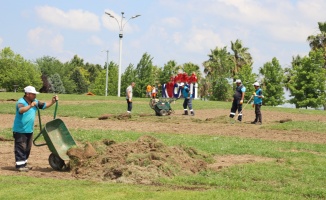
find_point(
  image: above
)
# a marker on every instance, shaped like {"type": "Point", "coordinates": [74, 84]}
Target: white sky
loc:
{"type": "Point", "coordinates": [180, 30]}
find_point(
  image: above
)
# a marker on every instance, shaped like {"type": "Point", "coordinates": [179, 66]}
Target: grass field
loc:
{"type": "Point", "coordinates": [297, 169]}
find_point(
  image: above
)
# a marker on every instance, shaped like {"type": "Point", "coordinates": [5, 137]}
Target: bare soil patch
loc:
{"type": "Point", "coordinates": [230, 160]}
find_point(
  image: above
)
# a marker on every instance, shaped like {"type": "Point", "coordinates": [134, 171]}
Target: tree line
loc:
{"type": "Point", "coordinates": [305, 79]}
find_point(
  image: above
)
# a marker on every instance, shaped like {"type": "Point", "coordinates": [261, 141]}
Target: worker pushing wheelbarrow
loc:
{"type": "Point", "coordinates": [58, 140]}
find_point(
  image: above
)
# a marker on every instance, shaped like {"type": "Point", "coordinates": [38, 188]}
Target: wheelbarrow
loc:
{"type": "Point", "coordinates": [58, 140]}
{"type": "Point", "coordinates": [162, 106]}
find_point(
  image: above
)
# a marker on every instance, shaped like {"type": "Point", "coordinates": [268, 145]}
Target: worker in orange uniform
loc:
{"type": "Point", "coordinates": [149, 91]}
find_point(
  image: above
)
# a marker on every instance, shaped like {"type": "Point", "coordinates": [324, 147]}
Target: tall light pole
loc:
{"type": "Point", "coordinates": [121, 26]}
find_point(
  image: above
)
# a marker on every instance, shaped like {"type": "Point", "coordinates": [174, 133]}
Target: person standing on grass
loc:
{"type": "Point", "coordinates": [149, 91]}
{"type": "Point", "coordinates": [129, 97]}
{"type": "Point", "coordinates": [23, 126]}
{"type": "Point", "coordinates": [154, 92]}
{"type": "Point", "coordinates": [238, 100]}
{"type": "Point", "coordinates": [258, 101]}
{"type": "Point", "coordinates": [187, 99]}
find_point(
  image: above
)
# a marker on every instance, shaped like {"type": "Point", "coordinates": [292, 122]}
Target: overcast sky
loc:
{"type": "Point", "coordinates": [180, 30]}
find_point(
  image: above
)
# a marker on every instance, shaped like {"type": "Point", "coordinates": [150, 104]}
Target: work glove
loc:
{"type": "Point", "coordinates": [253, 105]}
{"type": "Point", "coordinates": [130, 100]}
{"type": "Point", "coordinates": [241, 101]}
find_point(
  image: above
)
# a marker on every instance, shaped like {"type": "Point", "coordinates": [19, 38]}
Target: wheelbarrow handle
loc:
{"type": "Point", "coordinates": [55, 109]}
{"type": "Point", "coordinates": [39, 119]}
{"type": "Point", "coordinates": [40, 124]}
{"type": "Point", "coordinates": [34, 141]}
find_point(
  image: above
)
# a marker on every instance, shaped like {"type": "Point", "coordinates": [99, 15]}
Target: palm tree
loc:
{"type": "Point", "coordinates": [218, 69]}
{"type": "Point", "coordinates": [240, 57]}
{"type": "Point", "coordinates": [319, 41]}
{"type": "Point", "coordinates": [218, 63]}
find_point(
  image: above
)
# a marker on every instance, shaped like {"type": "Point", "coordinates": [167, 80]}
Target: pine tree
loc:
{"type": "Point", "coordinates": [56, 84]}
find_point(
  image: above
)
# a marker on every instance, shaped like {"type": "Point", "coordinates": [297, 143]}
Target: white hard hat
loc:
{"type": "Point", "coordinates": [238, 81]}
{"type": "Point", "coordinates": [30, 89]}
{"type": "Point", "coordinates": [256, 84]}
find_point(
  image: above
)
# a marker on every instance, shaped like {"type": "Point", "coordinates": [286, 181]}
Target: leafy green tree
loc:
{"type": "Point", "coordinates": [157, 71]}
{"type": "Point", "coordinates": [307, 83]}
{"type": "Point", "coordinates": [272, 83]}
{"type": "Point", "coordinates": [203, 89]}
{"type": "Point", "coordinates": [76, 61]}
{"type": "Point", "coordinates": [69, 84]}
{"type": "Point", "coordinates": [190, 68]}
{"type": "Point", "coordinates": [144, 74]}
{"type": "Point", "coordinates": [127, 77]}
{"type": "Point", "coordinates": [247, 78]}
{"type": "Point", "coordinates": [93, 71]}
{"type": "Point", "coordinates": [15, 71]}
{"type": "Point", "coordinates": [169, 69]}
{"type": "Point", "coordinates": [80, 81]}
{"type": "Point", "coordinates": [56, 84]}
{"type": "Point", "coordinates": [49, 66]}
{"type": "Point", "coordinates": [98, 87]}
{"type": "Point", "coordinates": [113, 79]}
{"type": "Point", "coordinates": [318, 42]}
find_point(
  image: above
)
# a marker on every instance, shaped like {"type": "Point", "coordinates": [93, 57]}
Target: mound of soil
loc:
{"type": "Point", "coordinates": [142, 161]}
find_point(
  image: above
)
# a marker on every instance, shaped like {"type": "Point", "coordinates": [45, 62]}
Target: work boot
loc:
{"type": "Point", "coordinates": [260, 119]}
{"type": "Point", "coordinates": [192, 113]}
{"type": "Point", "coordinates": [255, 121]}
{"type": "Point", "coordinates": [185, 113]}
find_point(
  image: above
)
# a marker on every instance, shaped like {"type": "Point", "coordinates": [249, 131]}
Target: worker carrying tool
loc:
{"type": "Point", "coordinates": [258, 101]}
{"type": "Point", "coordinates": [238, 100]}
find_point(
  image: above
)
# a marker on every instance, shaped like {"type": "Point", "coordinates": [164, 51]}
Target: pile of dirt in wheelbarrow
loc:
{"type": "Point", "coordinates": [142, 161]}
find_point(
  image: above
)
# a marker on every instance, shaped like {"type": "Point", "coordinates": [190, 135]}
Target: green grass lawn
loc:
{"type": "Point", "coordinates": [295, 171]}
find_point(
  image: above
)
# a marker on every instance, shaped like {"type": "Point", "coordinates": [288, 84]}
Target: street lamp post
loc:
{"type": "Point", "coordinates": [121, 26]}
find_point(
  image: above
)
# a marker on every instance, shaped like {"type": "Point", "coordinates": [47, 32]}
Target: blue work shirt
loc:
{"type": "Point", "coordinates": [185, 91]}
{"type": "Point", "coordinates": [24, 122]}
{"type": "Point", "coordinates": [258, 100]}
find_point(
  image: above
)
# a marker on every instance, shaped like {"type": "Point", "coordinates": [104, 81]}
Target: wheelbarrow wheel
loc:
{"type": "Point", "coordinates": [163, 112]}
{"type": "Point", "coordinates": [56, 162]}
